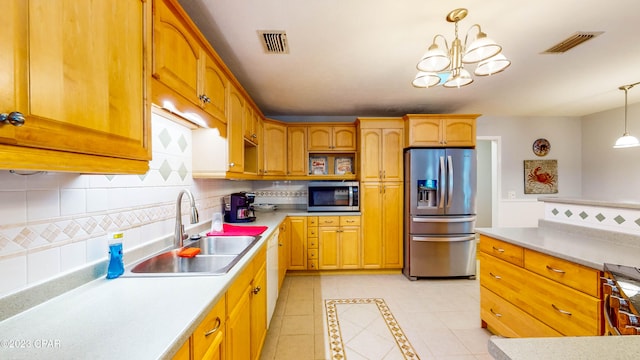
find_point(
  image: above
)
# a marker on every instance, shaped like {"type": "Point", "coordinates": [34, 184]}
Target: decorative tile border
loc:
{"type": "Point", "coordinates": [616, 219]}
{"type": "Point", "coordinates": [335, 335]}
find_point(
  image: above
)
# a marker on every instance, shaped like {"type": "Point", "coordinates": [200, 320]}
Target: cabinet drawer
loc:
{"type": "Point", "coordinates": [579, 277]}
{"type": "Point", "coordinates": [502, 250]}
{"type": "Point", "coordinates": [328, 220]}
{"type": "Point", "coordinates": [312, 243]}
{"type": "Point", "coordinates": [312, 264]}
{"type": "Point", "coordinates": [501, 277]}
{"type": "Point", "coordinates": [209, 329]}
{"type": "Point", "coordinates": [312, 254]}
{"type": "Point", "coordinates": [312, 221]}
{"type": "Point", "coordinates": [569, 311]}
{"type": "Point", "coordinates": [507, 320]}
{"type": "Point", "coordinates": [312, 231]}
{"type": "Point", "coordinates": [349, 220]}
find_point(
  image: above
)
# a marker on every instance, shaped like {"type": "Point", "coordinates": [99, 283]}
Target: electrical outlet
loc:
{"type": "Point", "coordinates": [511, 194]}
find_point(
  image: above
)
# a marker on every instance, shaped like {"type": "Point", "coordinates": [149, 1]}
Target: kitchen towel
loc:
{"type": "Point", "coordinates": [235, 230]}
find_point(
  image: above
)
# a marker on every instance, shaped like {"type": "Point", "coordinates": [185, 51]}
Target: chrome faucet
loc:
{"type": "Point", "coordinates": [180, 235]}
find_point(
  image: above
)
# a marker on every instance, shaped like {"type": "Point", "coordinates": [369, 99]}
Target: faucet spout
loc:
{"type": "Point", "coordinates": [180, 235]}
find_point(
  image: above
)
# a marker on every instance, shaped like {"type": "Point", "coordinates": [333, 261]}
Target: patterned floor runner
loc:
{"type": "Point", "coordinates": [368, 330]}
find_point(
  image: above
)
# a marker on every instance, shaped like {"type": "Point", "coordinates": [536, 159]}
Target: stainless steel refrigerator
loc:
{"type": "Point", "coordinates": [440, 213]}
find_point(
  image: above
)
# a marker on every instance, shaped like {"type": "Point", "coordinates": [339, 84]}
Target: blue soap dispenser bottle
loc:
{"type": "Point", "coordinates": [116, 265]}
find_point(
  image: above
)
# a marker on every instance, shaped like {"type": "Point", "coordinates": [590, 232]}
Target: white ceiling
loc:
{"type": "Point", "coordinates": [358, 57]}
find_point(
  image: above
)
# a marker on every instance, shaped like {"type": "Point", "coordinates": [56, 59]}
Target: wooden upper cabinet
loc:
{"type": "Point", "coordinates": [176, 52]}
{"type": "Point", "coordinates": [184, 64]}
{"type": "Point", "coordinates": [297, 150]}
{"type": "Point", "coordinates": [381, 147]}
{"type": "Point", "coordinates": [251, 124]}
{"type": "Point", "coordinates": [440, 130]}
{"type": "Point", "coordinates": [327, 137]}
{"type": "Point", "coordinates": [214, 88]}
{"type": "Point", "coordinates": [235, 133]}
{"type": "Point", "coordinates": [64, 71]}
{"type": "Point", "coordinates": [275, 148]}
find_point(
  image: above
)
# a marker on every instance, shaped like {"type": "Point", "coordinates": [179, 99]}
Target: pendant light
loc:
{"type": "Point", "coordinates": [626, 140]}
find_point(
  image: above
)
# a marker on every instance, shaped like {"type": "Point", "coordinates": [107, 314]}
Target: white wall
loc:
{"type": "Point", "coordinates": [608, 173]}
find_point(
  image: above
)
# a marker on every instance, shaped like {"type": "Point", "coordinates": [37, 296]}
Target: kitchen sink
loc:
{"type": "Point", "coordinates": [223, 245]}
{"type": "Point", "coordinates": [218, 254]}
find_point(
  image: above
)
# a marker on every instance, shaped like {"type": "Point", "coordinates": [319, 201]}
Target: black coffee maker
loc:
{"type": "Point", "coordinates": [238, 208]}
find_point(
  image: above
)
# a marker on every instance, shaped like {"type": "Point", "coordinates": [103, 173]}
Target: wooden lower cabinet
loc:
{"type": "Point", "coordinates": [382, 225]}
{"type": "Point", "coordinates": [207, 341]}
{"type": "Point", "coordinates": [298, 243]}
{"type": "Point", "coordinates": [526, 285]}
{"type": "Point", "coordinates": [339, 246]}
{"type": "Point", "coordinates": [283, 250]}
{"type": "Point", "coordinates": [246, 324]}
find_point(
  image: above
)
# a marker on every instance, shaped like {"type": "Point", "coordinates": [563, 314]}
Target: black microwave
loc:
{"type": "Point", "coordinates": [333, 196]}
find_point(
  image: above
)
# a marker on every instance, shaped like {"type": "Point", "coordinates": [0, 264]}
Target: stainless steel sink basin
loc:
{"type": "Point", "coordinates": [223, 245]}
{"type": "Point", "coordinates": [217, 256]}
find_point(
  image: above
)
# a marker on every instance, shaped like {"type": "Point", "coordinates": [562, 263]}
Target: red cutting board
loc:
{"type": "Point", "coordinates": [235, 230]}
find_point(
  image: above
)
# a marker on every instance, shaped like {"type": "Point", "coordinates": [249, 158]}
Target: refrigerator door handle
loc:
{"type": "Point", "coordinates": [443, 219]}
{"type": "Point", "coordinates": [450, 178]}
{"type": "Point", "coordinates": [443, 239]}
{"type": "Point", "coordinates": [442, 182]}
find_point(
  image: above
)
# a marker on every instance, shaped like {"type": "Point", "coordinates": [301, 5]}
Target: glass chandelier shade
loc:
{"type": "Point", "coordinates": [626, 140]}
{"type": "Point", "coordinates": [446, 62]}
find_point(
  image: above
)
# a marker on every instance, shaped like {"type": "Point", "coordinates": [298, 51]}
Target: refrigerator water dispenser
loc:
{"type": "Point", "coordinates": [427, 193]}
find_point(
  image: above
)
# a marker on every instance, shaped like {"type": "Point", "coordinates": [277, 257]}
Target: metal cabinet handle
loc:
{"type": "Point", "coordinates": [564, 312]}
{"type": "Point", "coordinates": [497, 277]}
{"type": "Point", "coordinates": [256, 290]}
{"type": "Point", "coordinates": [555, 270]}
{"type": "Point", "coordinates": [232, 164]}
{"type": "Point", "coordinates": [14, 118]}
{"type": "Point", "coordinates": [495, 313]}
{"type": "Point", "coordinates": [498, 249]}
{"type": "Point", "coordinates": [215, 328]}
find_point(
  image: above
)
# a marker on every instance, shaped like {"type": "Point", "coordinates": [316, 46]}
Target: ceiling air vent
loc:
{"type": "Point", "coordinates": [571, 42]}
{"type": "Point", "coordinates": [274, 42]}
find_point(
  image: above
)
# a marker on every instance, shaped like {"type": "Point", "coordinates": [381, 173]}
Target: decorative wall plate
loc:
{"type": "Point", "coordinates": [541, 147]}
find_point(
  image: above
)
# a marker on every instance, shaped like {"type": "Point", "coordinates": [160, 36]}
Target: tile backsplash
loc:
{"type": "Point", "coordinates": [54, 223]}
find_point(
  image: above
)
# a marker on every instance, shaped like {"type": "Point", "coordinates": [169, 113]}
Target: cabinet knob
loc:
{"type": "Point", "coordinates": [14, 118]}
{"type": "Point", "coordinates": [232, 164]}
{"type": "Point", "coordinates": [205, 98]}
{"type": "Point", "coordinates": [257, 289]}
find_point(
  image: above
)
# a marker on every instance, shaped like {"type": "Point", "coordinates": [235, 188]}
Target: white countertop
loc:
{"type": "Point", "coordinates": [589, 247]}
{"type": "Point", "coordinates": [566, 348]}
{"type": "Point", "coordinates": [124, 318]}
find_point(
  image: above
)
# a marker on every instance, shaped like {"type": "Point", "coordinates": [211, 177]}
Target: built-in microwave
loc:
{"type": "Point", "coordinates": [333, 196]}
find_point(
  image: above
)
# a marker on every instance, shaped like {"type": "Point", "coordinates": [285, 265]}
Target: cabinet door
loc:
{"type": "Point", "coordinates": [214, 90]}
{"type": "Point", "coordinates": [235, 134]}
{"type": "Point", "coordinates": [172, 37]}
{"type": "Point", "coordinates": [459, 132]}
{"type": "Point", "coordinates": [372, 224]}
{"type": "Point", "coordinates": [349, 251]}
{"type": "Point", "coordinates": [392, 216]}
{"type": "Point", "coordinates": [371, 154]}
{"type": "Point", "coordinates": [283, 251]}
{"type": "Point", "coordinates": [328, 250]}
{"type": "Point", "coordinates": [250, 124]}
{"type": "Point", "coordinates": [275, 148]}
{"type": "Point", "coordinates": [238, 334]}
{"type": "Point", "coordinates": [258, 312]}
{"type": "Point", "coordinates": [344, 138]}
{"type": "Point", "coordinates": [319, 138]}
{"type": "Point", "coordinates": [208, 336]}
{"type": "Point", "coordinates": [60, 71]}
{"type": "Point", "coordinates": [296, 150]}
{"type": "Point", "coordinates": [391, 154]}
{"type": "Point", "coordinates": [298, 243]}
{"type": "Point", "coordinates": [424, 132]}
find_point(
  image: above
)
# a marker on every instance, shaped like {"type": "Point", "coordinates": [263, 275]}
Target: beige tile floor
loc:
{"type": "Point", "coordinates": [440, 318]}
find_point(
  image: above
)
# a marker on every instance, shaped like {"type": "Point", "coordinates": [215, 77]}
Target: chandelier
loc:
{"type": "Point", "coordinates": [626, 140]}
{"type": "Point", "coordinates": [445, 65]}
